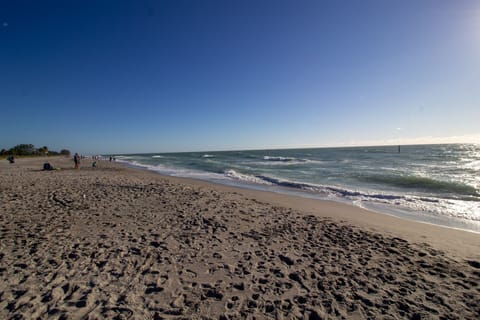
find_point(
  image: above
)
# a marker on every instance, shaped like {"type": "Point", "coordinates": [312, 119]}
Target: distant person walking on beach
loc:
{"type": "Point", "coordinates": [76, 159]}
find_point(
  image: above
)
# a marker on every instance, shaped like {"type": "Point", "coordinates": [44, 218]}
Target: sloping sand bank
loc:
{"type": "Point", "coordinates": [113, 242]}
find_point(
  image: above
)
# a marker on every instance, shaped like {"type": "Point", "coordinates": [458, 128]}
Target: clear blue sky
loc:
{"type": "Point", "coordinates": [153, 76]}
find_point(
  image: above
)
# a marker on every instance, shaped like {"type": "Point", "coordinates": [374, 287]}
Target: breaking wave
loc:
{"type": "Point", "coordinates": [281, 159]}
{"type": "Point", "coordinates": [245, 177]}
{"type": "Point", "coordinates": [423, 183]}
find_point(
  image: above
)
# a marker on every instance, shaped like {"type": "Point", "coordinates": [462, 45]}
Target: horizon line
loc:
{"type": "Point", "coordinates": [303, 147]}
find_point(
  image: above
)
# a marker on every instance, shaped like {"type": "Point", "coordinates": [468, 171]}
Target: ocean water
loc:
{"type": "Point", "coordinates": [438, 184]}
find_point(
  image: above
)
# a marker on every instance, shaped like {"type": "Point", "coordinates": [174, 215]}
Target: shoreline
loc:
{"type": "Point", "coordinates": [117, 242]}
{"type": "Point", "coordinates": [461, 243]}
{"type": "Point", "coordinates": [455, 240]}
{"type": "Point", "coordinates": [385, 209]}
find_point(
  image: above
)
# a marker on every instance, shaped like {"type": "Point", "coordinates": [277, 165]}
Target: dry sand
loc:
{"type": "Point", "coordinates": [120, 243]}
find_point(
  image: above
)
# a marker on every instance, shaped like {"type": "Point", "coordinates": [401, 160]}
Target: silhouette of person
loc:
{"type": "Point", "coordinates": [76, 159]}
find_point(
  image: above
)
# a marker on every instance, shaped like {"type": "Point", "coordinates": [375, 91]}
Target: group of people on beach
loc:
{"type": "Point", "coordinates": [77, 158]}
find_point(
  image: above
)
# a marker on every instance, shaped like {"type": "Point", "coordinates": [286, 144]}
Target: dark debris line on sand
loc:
{"type": "Point", "coordinates": [108, 246]}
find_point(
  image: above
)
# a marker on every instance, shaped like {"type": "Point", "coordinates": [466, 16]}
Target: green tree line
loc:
{"type": "Point", "coordinates": [31, 150]}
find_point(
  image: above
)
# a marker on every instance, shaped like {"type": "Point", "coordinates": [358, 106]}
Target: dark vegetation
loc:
{"type": "Point", "coordinates": [31, 150]}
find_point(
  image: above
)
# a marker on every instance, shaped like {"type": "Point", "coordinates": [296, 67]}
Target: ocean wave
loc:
{"type": "Point", "coordinates": [456, 208]}
{"type": "Point", "coordinates": [286, 161]}
{"type": "Point", "coordinates": [280, 159]}
{"type": "Point", "coordinates": [124, 157]}
{"type": "Point", "coordinates": [327, 191]}
{"type": "Point", "coordinates": [208, 156]}
{"type": "Point", "coordinates": [245, 177]}
{"type": "Point", "coordinates": [277, 163]}
{"type": "Point", "coordinates": [321, 190]}
{"type": "Point", "coordinates": [330, 190]}
{"type": "Point", "coordinates": [157, 156]}
{"type": "Point", "coordinates": [129, 161]}
{"type": "Point", "coordinates": [423, 183]}
{"type": "Point", "coordinates": [177, 172]}
{"type": "Point", "coordinates": [472, 165]}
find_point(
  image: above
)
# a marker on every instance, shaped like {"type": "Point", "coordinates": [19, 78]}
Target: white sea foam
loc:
{"type": "Point", "coordinates": [178, 172]}
{"type": "Point", "coordinates": [276, 158]}
{"type": "Point", "coordinates": [208, 156]}
{"type": "Point", "coordinates": [157, 156]}
{"type": "Point", "coordinates": [285, 161]}
{"type": "Point", "coordinates": [277, 163]}
{"type": "Point", "coordinates": [245, 177]}
{"type": "Point", "coordinates": [428, 205]}
{"type": "Point", "coordinates": [127, 160]}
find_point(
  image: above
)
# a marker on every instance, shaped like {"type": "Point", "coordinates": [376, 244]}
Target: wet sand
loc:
{"type": "Point", "coordinates": [114, 242]}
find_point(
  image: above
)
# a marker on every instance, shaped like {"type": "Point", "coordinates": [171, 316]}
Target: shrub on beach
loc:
{"type": "Point", "coordinates": [65, 152]}
{"type": "Point", "coordinates": [30, 150]}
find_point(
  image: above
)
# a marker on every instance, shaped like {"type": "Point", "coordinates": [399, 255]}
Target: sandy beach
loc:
{"type": "Point", "coordinates": [118, 243]}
